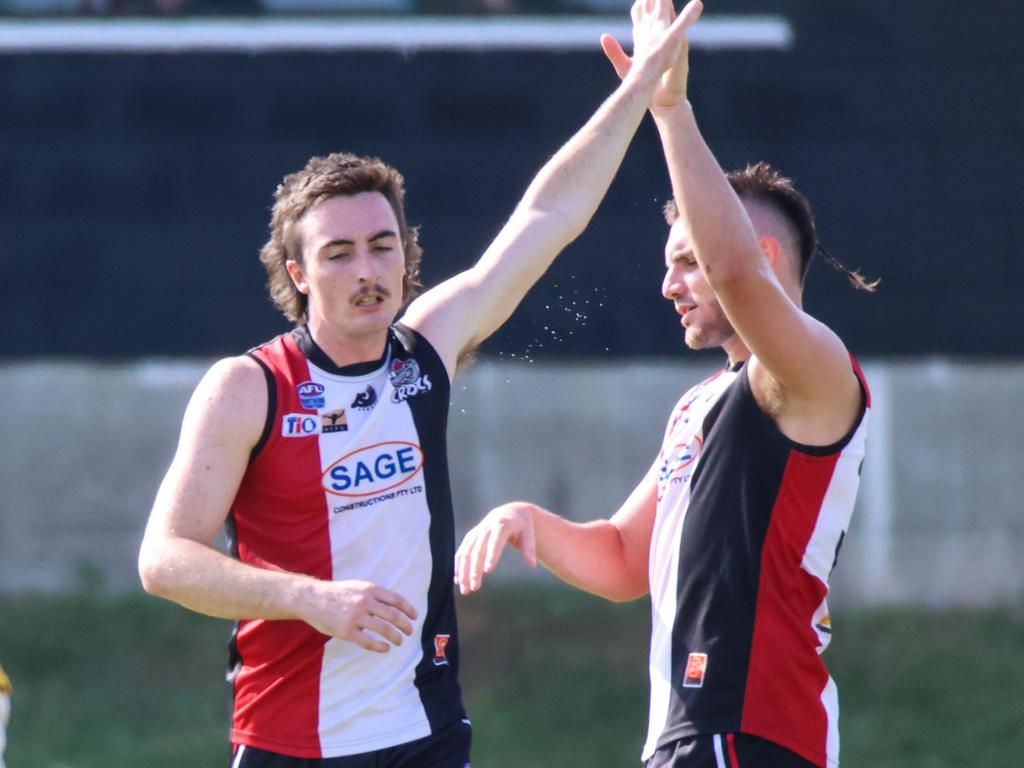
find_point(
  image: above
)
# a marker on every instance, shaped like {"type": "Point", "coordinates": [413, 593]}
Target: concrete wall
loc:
{"type": "Point", "coordinates": [940, 519]}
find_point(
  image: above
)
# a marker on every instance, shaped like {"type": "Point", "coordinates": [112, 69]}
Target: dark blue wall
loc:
{"type": "Point", "coordinates": [136, 189]}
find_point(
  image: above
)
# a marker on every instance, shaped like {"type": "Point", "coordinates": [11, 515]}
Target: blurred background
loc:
{"type": "Point", "coordinates": [140, 144]}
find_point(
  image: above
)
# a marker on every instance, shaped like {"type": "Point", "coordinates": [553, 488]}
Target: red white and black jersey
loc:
{"type": "Point", "coordinates": [747, 531]}
{"type": "Point", "coordinates": [349, 481]}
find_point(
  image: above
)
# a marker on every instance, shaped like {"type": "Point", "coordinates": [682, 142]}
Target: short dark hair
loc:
{"type": "Point", "coordinates": [760, 182]}
{"type": "Point", "coordinates": [337, 174]}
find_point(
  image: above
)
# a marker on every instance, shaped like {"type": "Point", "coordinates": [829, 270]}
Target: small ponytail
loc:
{"type": "Point", "coordinates": [857, 280]}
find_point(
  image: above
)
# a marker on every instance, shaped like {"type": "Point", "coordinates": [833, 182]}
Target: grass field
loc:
{"type": "Point", "coordinates": [552, 678]}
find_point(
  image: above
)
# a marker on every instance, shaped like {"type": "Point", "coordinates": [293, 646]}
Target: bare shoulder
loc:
{"type": "Point", "coordinates": [820, 405]}
{"type": "Point", "coordinates": [439, 315]}
{"type": "Point", "coordinates": [231, 400]}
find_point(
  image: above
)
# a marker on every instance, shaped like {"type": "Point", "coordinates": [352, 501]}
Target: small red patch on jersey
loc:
{"type": "Point", "coordinates": [440, 643]}
{"type": "Point", "coordinates": [696, 667]}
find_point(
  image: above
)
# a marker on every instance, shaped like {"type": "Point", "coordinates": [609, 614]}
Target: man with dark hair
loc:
{"type": "Point", "coordinates": [735, 528]}
{"type": "Point", "coordinates": [324, 452]}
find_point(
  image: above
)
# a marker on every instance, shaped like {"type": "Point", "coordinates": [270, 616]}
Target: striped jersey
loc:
{"type": "Point", "coordinates": [747, 530]}
{"type": "Point", "coordinates": [349, 481]}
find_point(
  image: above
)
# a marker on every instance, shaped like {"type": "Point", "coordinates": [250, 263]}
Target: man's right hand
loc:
{"type": "Point", "coordinates": [359, 612]}
{"type": "Point", "coordinates": [658, 33]}
{"type": "Point", "coordinates": [481, 550]}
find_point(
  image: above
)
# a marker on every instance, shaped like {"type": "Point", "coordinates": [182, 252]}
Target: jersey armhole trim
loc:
{"type": "Point", "coordinates": [424, 349]}
{"type": "Point", "coordinates": [819, 451]}
{"type": "Point", "coordinates": [271, 407]}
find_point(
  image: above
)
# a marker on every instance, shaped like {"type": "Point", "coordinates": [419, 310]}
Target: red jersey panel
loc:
{"type": "Point", "coordinates": [747, 530]}
{"type": "Point", "coordinates": [350, 481]}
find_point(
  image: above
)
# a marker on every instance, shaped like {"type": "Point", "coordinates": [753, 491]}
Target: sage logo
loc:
{"type": "Point", "coordinates": [374, 469]}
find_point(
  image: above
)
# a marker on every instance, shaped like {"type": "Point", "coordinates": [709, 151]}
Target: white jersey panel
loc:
{"type": "Point", "coordinates": [679, 458]}
{"type": "Point", "coordinates": [368, 456]}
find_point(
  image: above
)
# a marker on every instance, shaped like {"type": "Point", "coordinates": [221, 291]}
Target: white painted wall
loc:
{"type": "Point", "coordinates": [940, 518]}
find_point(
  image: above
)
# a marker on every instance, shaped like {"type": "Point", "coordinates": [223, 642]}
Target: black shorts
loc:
{"type": "Point", "coordinates": [448, 748]}
{"type": "Point", "coordinates": [726, 750]}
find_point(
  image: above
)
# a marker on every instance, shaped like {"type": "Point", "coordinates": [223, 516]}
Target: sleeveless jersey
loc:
{"type": "Point", "coordinates": [747, 530]}
{"type": "Point", "coordinates": [349, 481]}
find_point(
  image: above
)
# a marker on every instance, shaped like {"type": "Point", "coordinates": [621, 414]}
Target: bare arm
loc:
{"type": "Point", "coordinates": [463, 311]}
{"type": "Point", "coordinates": [794, 355]}
{"type": "Point", "coordinates": [177, 561]}
{"type": "Point", "coordinates": [793, 351]}
{"type": "Point", "coordinates": [605, 557]}
{"type": "Point", "coordinates": [800, 353]}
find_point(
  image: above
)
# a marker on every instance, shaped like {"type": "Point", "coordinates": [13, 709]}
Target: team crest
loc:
{"type": "Point", "coordinates": [407, 381]}
{"type": "Point", "coordinates": [440, 644]}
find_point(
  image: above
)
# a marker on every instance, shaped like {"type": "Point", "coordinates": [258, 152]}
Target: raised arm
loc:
{"type": "Point", "coordinates": [604, 557]}
{"type": "Point", "coordinates": [177, 561]}
{"type": "Point", "coordinates": [463, 311]}
{"type": "Point", "coordinates": [796, 356]}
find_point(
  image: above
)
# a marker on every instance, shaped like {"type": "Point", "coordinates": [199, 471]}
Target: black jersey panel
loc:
{"type": "Point", "coordinates": [733, 491]}
{"type": "Point", "coordinates": [437, 673]}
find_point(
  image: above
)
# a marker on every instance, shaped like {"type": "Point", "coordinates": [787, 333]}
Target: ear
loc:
{"type": "Point", "coordinates": [297, 275]}
{"type": "Point", "coordinates": [772, 250]}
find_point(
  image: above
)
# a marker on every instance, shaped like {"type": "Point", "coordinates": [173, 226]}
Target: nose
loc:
{"type": "Point", "coordinates": [672, 287]}
{"type": "Point", "coordinates": [366, 266]}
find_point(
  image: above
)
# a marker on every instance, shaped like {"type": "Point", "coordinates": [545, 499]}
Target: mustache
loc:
{"type": "Point", "coordinates": [366, 290]}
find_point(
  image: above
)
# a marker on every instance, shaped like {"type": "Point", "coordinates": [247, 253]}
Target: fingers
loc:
{"type": "Point", "coordinates": [462, 564]}
{"type": "Point", "coordinates": [620, 62]}
{"type": "Point", "coordinates": [364, 640]}
{"type": "Point", "coordinates": [383, 628]}
{"type": "Point", "coordinates": [528, 546]}
{"type": "Point", "coordinates": [476, 558]}
{"type": "Point", "coordinates": [689, 15]}
{"type": "Point", "coordinates": [483, 546]}
{"type": "Point", "coordinates": [495, 546]}
{"type": "Point", "coordinates": [399, 603]}
{"type": "Point", "coordinates": [658, 33]}
{"type": "Point", "coordinates": [465, 560]}
{"type": "Point", "coordinates": [363, 613]}
{"type": "Point", "coordinates": [396, 617]}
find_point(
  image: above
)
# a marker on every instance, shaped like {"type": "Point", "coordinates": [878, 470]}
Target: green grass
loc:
{"type": "Point", "coordinates": [551, 677]}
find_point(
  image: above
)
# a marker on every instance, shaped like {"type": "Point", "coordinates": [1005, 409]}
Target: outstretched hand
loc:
{"type": "Point", "coordinates": [481, 550]}
{"type": "Point", "coordinates": [659, 37]}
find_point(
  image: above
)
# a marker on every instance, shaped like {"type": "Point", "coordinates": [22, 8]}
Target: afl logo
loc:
{"type": "Point", "coordinates": [311, 394]}
{"type": "Point", "coordinates": [373, 469]}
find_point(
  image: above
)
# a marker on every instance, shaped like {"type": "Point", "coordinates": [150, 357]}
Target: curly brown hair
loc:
{"type": "Point", "coordinates": [336, 174]}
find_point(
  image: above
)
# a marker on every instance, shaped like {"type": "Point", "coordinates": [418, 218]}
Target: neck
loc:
{"type": "Point", "coordinates": [345, 349]}
{"type": "Point", "coordinates": [736, 350]}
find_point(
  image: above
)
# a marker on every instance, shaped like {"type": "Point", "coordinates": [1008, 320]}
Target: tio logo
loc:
{"type": "Point", "coordinates": [300, 425]}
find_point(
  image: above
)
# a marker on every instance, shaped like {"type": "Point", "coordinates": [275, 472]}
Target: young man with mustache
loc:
{"type": "Point", "coordinates": [324, 452]}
